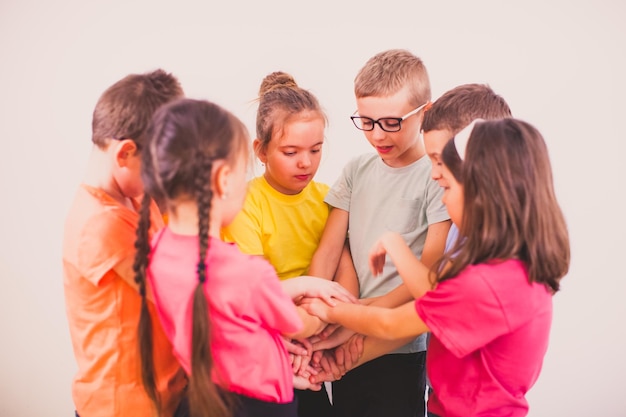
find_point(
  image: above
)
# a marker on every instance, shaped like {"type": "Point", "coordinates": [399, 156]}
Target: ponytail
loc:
{"type": "Point", "coordinates": [144, 331]}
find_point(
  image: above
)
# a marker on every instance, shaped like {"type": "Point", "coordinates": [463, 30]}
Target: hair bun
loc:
{"type": "Point", "coordinates": [276, 80]}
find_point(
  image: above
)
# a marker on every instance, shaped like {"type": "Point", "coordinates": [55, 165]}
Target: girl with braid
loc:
{"type": "Point", "coordinates": [224, 312]}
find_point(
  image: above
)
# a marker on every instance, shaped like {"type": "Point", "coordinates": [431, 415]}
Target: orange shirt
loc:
{"type": "Point", "coordinates": [103, 308]}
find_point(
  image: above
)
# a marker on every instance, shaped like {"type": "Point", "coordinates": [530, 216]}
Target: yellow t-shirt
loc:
{"type": "Point", "coordinates": [285, 229]}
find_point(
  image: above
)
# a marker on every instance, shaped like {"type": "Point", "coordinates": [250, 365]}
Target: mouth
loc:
{"type": "Point", "coordinates": [303, 177]}
{"type": "Point", "coordinates": [384, 149]}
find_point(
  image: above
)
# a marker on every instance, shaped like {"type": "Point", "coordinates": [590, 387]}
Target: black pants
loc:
{"type": "Point", "coordinates": [249, 407]}
{"type": "Point", "coordinates": [313, 403]}
{"type": "Point", "coordinates": [392, 385]}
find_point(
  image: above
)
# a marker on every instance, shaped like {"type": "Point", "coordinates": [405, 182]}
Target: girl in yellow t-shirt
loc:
{"type": "Point", "coordinates": [284, 213]}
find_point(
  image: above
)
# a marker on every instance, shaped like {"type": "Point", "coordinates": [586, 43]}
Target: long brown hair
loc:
{"type": "Point", "coordinates": [510, 208]}
{"type": "Point", "coordinates": [184, 140]}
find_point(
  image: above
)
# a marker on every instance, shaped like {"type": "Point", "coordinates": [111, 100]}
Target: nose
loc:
{"type": "Point", "coordinates": [304, 161]}
{"type": "Point", "coordinates": [435, 172]}
{"type": "Point", "coordinates": [377, 132]}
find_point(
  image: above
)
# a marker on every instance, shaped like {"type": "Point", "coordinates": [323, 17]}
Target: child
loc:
{"type": "Point", "coordinates": [448, 115]}
{"type": "Point", "coordinates": [491, 309]}
{"type": "Point", "coordinates": [389, 190]}
{"type": "Point", "coordinates": [224, 312]}
{"type": "Point", "coordinates": [284, 212]}
{"type": "Point", "coordinates": [453, 111]}
{"type": "Point", "coordinates": [102, 302]}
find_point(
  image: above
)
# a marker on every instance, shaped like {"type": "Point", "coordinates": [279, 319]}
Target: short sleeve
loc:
{"type": "Point", "coordinates": [463, 312]}
{"type": "Point", "coordinates": [105, 241]}
{"type": "Point", "coordinates": [245, 230]}
{"type": "Point", "coordinates": [340, 193]}
{"type": "Point", "coordinates": [272, 304]}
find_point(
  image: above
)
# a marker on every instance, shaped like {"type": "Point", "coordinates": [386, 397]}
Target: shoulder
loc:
{"type": "Point", "coordinates": [237, 262]}
{"type": "Point", "coordinates": [318, 189]}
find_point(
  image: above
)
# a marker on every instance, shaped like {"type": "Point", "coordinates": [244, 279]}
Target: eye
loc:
{"type": "Point", "coordinates": [289, 153]}
{"type": "Point", "coordinates": [390, 123]}
{"type": "Point", "coordinates": [366, 123]}
{"type": "Point", "coordinates": [316, 150]}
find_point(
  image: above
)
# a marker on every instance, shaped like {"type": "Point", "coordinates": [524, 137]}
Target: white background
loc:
{"type": "Point", "coordinates": [559, 64]}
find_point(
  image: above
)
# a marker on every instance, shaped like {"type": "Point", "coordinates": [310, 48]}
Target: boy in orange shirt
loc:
{"type": "Point", "coordinates": [102, 300]}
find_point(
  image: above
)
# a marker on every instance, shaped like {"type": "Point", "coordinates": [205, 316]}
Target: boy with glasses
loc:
{"type": "Point", "coordinates": [390, 190]}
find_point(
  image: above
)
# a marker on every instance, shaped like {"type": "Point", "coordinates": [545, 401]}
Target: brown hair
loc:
{"type": "Point", "coordinates": [184, 140]}
{"type": "Point", "coordinates": [280, 99]}
{"type": "Point", "coordinates": [389, 71]}
{"type": "Point", "coordinates": [510, 208]}
{"type": "Point", "coordinates": [456, 108]}
{"type": "Point", "coordinates": [124, 110]}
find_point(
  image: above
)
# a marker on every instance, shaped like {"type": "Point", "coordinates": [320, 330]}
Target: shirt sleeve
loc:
{"type": "Point", "coordinates": [340, 193]}
{"type": "Point", "coordinates": [272, 304]}
{"type": "Point", "coordinates": [106, 241]}
{"type": "Point", "coordinates": [246, 230]}
{"type": "Point", "coordinates": [463, 312]}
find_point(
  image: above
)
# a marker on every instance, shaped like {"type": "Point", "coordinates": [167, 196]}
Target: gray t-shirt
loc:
{"type": "Point", "coordinates": [380, 198]}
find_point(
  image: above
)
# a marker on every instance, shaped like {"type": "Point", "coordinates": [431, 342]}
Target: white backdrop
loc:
{"type": "Point", "coordinates": [559, 64]}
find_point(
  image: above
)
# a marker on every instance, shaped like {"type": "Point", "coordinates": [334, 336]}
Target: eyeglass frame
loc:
{"type": "Point", "coordinates": [377, 121]}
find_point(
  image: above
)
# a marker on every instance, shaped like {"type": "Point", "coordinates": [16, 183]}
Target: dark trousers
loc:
{"type": "Point", "coordinates": [392, 385]}
{"type": "Point", "coordinates": [313, 403]}
{"type": "Point", "coordinates": [250, 407]}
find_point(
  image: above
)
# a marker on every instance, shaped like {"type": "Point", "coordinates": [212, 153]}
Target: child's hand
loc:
{"type": "Point", "coordinates": [339, 336]}
{"type": "Point", "coordinates": [329, 369]}
{"type": "Point", "coordinates": [349, 353]}
{"type": "Point", "coordinates": [378, 253]}
{"type": "Point", "coordinates": [308, 286]}
{"type": "Point", "coordinates": [316, 307]}
{"type": "Point", "coordinates": [302, 383]}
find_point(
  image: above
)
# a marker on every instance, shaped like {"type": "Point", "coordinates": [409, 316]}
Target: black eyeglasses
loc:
{"type": "Point", "coordinates": [388, 124]}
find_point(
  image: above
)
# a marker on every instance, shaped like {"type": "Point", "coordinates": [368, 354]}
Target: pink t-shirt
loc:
{"type": "Point", "coordinates": [248, 311]}
{"type": "Point", "coordinates": [490, 330]}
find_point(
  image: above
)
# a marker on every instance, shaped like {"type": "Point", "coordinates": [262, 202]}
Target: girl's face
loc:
{"type": "Point", "coordinates": [452, 195]}
{"type": "Point", "coordinates": [292, 159]}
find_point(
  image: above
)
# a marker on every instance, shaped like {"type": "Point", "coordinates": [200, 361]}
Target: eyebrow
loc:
{"type": "Point", "coordinates": [320, 143]}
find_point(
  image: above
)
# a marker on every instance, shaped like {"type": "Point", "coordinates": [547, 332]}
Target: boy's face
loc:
{"type": "Point", "coordinates": [434, 142]}
{"type": "Point", "coordinates": [452, 195]}
{"type": "Point", "coordinates": [397, 149]}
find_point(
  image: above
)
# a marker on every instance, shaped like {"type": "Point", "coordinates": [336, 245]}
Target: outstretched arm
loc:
{"type": "Point", "coordinates": [383, 323]}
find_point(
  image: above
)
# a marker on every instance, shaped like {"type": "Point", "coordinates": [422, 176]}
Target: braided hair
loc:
{"type": "Point", "coordinates": [185, 138]}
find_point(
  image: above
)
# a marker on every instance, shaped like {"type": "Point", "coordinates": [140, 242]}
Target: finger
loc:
{"type": "Point", "coordinates": [294, 348]}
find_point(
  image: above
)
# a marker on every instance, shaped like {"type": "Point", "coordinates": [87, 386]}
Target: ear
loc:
{"type": "Point", "coordinates": [219, 179]}
{"type": "Point", "coordinates": [123, 151]}
{"type": "Point", "coordinates": [259, 150]}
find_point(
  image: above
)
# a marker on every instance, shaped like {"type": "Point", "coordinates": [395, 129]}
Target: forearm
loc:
{"type": "Point", "coordinates": [311, 325]}
{"type": "Point", "coordinates": [346, 274]}
{"type": "Point", "coordinates": [394, 298]}
{"type": "Point", "coordinates": [374, 347]}
{"type": "Point", "coordinates": [383, 323]}
{"type": "Point", "coordinates": [325, 261]}
{"type": "Point", "coordinates": [415, 275]}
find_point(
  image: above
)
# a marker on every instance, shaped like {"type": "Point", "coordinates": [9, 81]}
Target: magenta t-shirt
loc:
{"type": "Point", "coordinates": [248, 311]}
{"type": "Point", "coordinates": [490, 330]}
